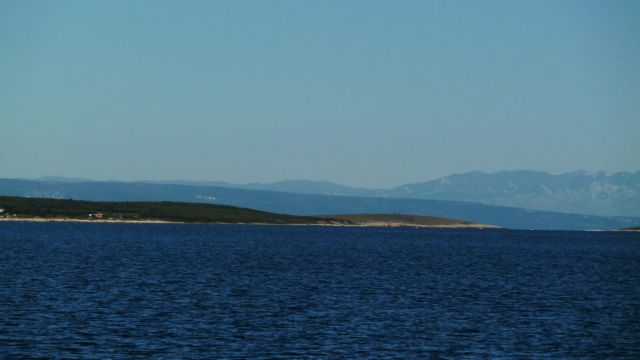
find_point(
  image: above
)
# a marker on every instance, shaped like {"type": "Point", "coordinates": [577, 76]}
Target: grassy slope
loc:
{"type": "Point", "coordinates": [168, 211]}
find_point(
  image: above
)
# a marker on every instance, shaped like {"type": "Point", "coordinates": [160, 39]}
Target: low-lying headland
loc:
{"type": "Point", "coordinates": [407, 220]}
{"type": "Point", "coordinates": [45, 209]}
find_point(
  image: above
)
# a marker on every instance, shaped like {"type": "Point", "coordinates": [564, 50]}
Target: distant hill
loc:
{"type": "Point", "coordinates": [292, 186]}
{"type": "Point", "coordinates": [599, 193]}
{"type": "Point", "coordinates": [311, 204]}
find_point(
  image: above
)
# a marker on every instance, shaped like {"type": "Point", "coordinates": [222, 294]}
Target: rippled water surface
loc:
{"type": "Point", "coordinates": [71, 290]}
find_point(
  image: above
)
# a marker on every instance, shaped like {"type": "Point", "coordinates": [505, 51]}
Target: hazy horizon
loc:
{"type": "Point", "coordinates": [367, 95]}
{"type": "Point", "coordinates": [68, 178]}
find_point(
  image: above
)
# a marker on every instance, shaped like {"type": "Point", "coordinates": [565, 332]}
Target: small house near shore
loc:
{"type": "Point", "coordinates": [96, 216]}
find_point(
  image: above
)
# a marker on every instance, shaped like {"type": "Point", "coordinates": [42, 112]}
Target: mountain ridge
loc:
{"type": "Point", "coordinates": [591, 192]}
{"type": "Point", "coordinates": [595, 193]}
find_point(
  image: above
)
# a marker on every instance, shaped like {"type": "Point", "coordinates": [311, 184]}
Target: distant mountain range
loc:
{"type": "Point", "coordinates": [310, 204]}
{"type": "Point", "coordinates": [599, 193]}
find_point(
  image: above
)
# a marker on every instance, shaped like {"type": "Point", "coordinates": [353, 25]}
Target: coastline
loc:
{"type": "Point", "coordinates": [151, 221]}
{"type": "Point", "coordinates": [41, 219]}
{"type": "Point", "coordinates": [443, 226]}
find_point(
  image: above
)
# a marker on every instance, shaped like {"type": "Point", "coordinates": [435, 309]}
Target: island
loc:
{"type": "Point", "coordinates": [45, 209]}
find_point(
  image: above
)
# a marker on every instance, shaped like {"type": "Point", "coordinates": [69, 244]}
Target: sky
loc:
{"type": "Point", "coordinates": [363, 93]}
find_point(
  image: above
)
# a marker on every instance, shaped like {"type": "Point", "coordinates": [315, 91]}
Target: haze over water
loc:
{"type": "Point", "coordinates": [92, 290]}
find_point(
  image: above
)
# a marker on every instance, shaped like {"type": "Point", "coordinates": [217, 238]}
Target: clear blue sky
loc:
{"type": "Point", "coordinates": [367, 93]}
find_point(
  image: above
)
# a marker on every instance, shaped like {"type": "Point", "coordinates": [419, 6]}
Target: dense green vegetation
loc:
{"type": "Point", "coordinates": [635, 228]}
{"type": "Point", "coordinates": [166, 211]}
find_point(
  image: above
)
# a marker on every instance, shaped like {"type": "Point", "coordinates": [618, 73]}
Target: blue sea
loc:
{"type": "Point", "coordinates": [90, 290]}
